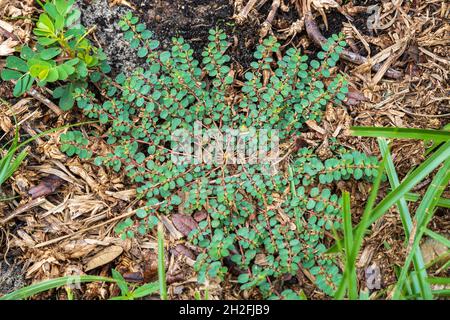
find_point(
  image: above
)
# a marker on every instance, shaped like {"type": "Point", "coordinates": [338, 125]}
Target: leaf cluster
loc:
{"type": "Point", "coordinates": [62, 54]}
{"type": "Point", "coordinates": [264, 224]}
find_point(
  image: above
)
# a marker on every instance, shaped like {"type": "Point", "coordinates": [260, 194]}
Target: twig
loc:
{"type": "Point", "coordinates": [35, 94]}
{"type": "Point", "coordinates": [38, 96]}
{"type": "Point", "coordinates": [445, 115]}
{"type": "Point", "coordinates": [314, 34]}
{"type": "Point", "coordinates": [266, 26]}
{"type": "Point", "coordinates": [27, 206]}
{"type": "Point", "coordinates": [8, 34]}
{"type": "Point", "coordinates": [124, 215]}
{"type": "Point", "coordinates": [244, 13]}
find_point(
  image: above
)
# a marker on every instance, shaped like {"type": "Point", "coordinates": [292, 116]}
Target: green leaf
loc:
{"type": "Point", "coordinates": [16, 63]}
{"type": "Point", "coordinates": [52, 75]}
{"type": "Point", "coordinates": [23, 85]}
{"type": "Point", "coordinates": [8, 74]}
{"type": "Point", "coordinates": [72, 17]}
{"type": "Point", "coordinates": [45, 23]}
{"type": "Point", "coordinates": [66, 102]}
{"type": "Point", "coordinates": [164, 56]}
{"type": "Point", "coordinates": [142, 52]}
{"type": "Point", "coordinates": [154, 44]}
{"type": "Point", "coordinates": [63, 6]}
{"type": "Point", "coordinates": [46, 41]}
{"type": "Point", "coordinates": [243, 278]}
{"type": "Point", "coordinates": [50, 53]}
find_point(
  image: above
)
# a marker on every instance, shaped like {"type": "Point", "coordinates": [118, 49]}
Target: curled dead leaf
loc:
{"type": "Point", "coordinates": [354, 97]}
{"type": "Point", "coordinates": [133, 277]}
{"type": "Point", "coordinates": [103, 257]}
{"type": "Point", "coordinates": [200, 215]}
{"type": "Point", "coordinates": [180, 249]}
{"type": "Point", "coordinates": [7, 47]}
{"type": "Point", "coordinates": [432, 250]}
{"type": "Point", "coordinates": [47, 186]}
{"type": "Point", "coordinates": [184, 223]}
{"type": "Point", "coordinates": [150, 266]}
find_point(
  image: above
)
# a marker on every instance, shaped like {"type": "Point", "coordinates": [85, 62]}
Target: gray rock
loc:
{"type": "Point", "coordinates": [108, 33]}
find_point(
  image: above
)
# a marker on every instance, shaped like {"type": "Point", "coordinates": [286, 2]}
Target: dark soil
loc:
{"type": "Point", "coordinates": [335, 20]}
{"type": "Point", "coordinates": [11, 275]}
{"type": "Point", "coordinates": [108, 33]}
{"type": "Point", "coordinates": [190, 19]}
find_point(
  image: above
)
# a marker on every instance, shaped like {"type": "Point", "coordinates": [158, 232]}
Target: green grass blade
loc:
{"type": "Point", "coordinates": [440, 259]}
{"type": "Point", "coordinates": [419, 264]}
{"type": "Point", "coordinates": [401, 133]}
{"type": "Point", "coordinates": [366, 217]}
{"type": "Point", "coordinates": [414, 197]}
{"type": "Point", "coordinates": [348, 235]}
{"type": "Point", "coordinates": [352, 282]}
{"type": "Point", "coordinates": [44, 133]}
{"type": "Point", "coordinates": [349, 279]}
{"type": "Point", "coordinates": [4, 166]}
{"type": "Point", "coordinates": [146, 289]}
{"type": "Point", "coordinates": [5, 162]}
{"type": "Point", "coordinates": [442, 293]}
{"type": "Point", "coordinates": [439, 280]}
{"type": "Point", "coordinates": [395, 182]}
{"type": "Point", "coordinates": [161, 264]}
{"type": "Point", "coordinates": [346, 281]}
{"type": "Point", "coordinates": [437, 237]}
{"type": "Point", "coordinates": [51, 284]}
{"type": "Point", "coordinates": [14, 165]}
{"type": "Point", "coordinates": [121, 282]}
{"type": "Point", "coordinates": [8, 165]}
{"type": "Point", "coordinates": [423, 216]}
{"type": "Point", "coordinates": [411, 180]}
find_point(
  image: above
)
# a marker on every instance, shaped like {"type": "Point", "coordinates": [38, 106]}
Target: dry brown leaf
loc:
{"type": "Point", "coordinates": [6, 26]}
{"type": "Point", "coordinates": [125, 195]}
{"type": "Point", "coordinates": [184, 223]}
{"type": "Point", "coordinates": [318, 4]}
{"type": "Point", "coordinates": [313, 125]}
{"type": "Point", "coordinates": [432, 250]}
{"type": "Point", "coordinates": [46, 186]}
{"type": "Point", "coordinates": [182, 250]}
{"type": "Point", "coordinates": [200, 215]}
{"type": "Point", "coordinates": [174, 233]}
{"type": "Point", "coordinates": [7, 47]}
{"type": "Point", "coordinates": [103, 257]}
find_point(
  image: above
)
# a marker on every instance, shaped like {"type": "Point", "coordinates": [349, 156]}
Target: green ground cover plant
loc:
{"type": "Point", "coordinates": [263, 223]}
{"type": "Point", "coordinates": [244, 203]}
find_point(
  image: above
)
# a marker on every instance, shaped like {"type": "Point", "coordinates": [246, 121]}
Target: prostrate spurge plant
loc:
{"type": "Point", "coordinates": [263, 225]}
{"type": "Point", "coordinates": [63, 53]}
